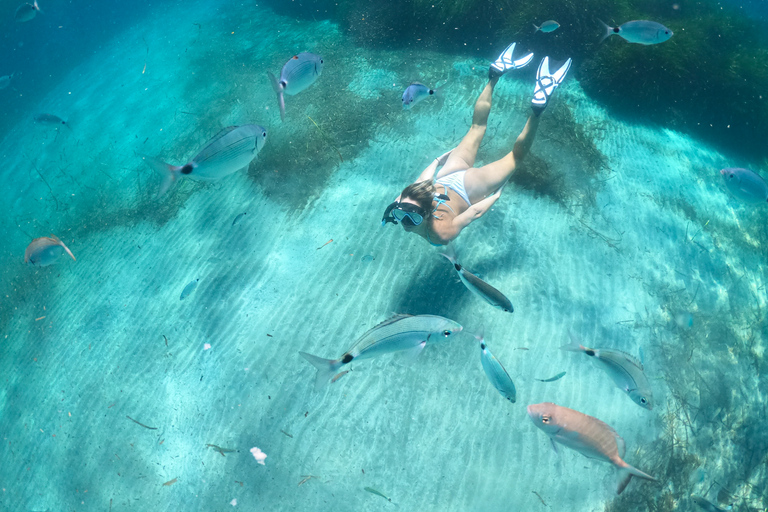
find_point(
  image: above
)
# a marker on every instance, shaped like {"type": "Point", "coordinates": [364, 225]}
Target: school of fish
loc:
{"type": "Point", "coordinates": [234, 148]}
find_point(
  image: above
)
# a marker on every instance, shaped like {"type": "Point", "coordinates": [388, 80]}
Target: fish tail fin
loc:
{"type": "Point", "coordinates": [573, 347]}
{"type": "Point", "coordinates": [608, 29]}
{"type": "Point", "coordinates": [167, 171]}
{"type": "Point", "coordinates": [449, 252]}
{"type": "Point", "coordinates": [58, 241]}
{"type": "Point", "coordinates": [37, 7]}
{"type": "Point", "coordinates": [626, 473]}
{"type": "Point", "coordinates": [68, 251]}
{"type": "Point", "coordinates": [536, 27]}
{"type": "Point", "coordinates": [575, 344]}
{"type": "Point", "coordinates": [480, 336]}
{"type": "Point", "coordinates": [280, 96]}
{"type": "Point", "coordinates": [326, 368]}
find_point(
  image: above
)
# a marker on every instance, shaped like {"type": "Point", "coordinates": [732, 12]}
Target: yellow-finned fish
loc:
{"type": "Point", "coordinates": [625, 370]}
{"type": "Point", "coordinates": [587, 435]}
{"type": "Point", "coordinates": [399, 332]}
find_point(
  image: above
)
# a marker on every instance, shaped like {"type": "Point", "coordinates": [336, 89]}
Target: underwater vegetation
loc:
{"type": "Point", "coordinates": [709, 79]}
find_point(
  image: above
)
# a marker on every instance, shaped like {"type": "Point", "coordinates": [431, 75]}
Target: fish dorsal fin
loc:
{"type": "Point", "coordinates": [392, 319]}
{"type": "Point", "coordinates": [225, 131]}
{"type": "Point", "coordinates": [631, 359]}
{"type": "Point", "coordinates": [418, 83]}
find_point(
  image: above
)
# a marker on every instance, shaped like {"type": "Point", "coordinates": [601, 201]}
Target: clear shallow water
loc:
{"type": "Point", "coordinates": [630, 227]}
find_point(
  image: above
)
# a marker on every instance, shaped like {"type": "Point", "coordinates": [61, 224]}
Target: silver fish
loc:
{"type": "Point", "coordinates": [237, 219]}
{"type": "Point", "coordinates": [49, 119]}
{"type": "Point", "coordinates": [707, 505]}
{"type": "Point", "coordinates": [587, 435]}
{"type": "Point", "coordinates": [297, 74]}
{"type": "Point", "coordinates": [477, 286]}
{"type": "Point", "coordinates": [625, 370]}
{"type": "Point", "coordinates": [416, 92]}
{"type": "Point", "coordinates": [745, 184]}
{"type": "Point", "coordinates": [547, 26]}
{"type": "Point", "coordinates": [26, 12]}
{"type": "Point", "coordinates": [43, 251]}
{"type": "Point", "coordinates": [5, 81]}
{"type": "Point", "coordinates": [553, 379]}
{"type": "Point", "coordinates": [399, 332]}
{"type": "Point", "coordinates": [640, 32]}
{"type": "Point", "coordinates": [232, 149]}
{"type": "Point", "coordinates": [496, 373]}
{"type": "Point", "coordinates": [189, 289]}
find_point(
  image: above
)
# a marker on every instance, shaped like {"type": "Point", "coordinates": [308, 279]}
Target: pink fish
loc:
{"type": "Point", "coordinates": [587, 435]}
{"type": "Point", "coordinates": [44, 250]}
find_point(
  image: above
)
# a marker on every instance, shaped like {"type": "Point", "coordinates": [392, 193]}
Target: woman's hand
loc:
{"type": "Point", "coordinates": [444, 157]}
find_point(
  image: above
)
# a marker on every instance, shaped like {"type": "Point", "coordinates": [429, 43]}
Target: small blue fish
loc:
{"type": "Point", "coordinates": [640, 32]}
{"type": "Point", "coordinates": [745, 184]}
{"type": "Point", "coordinates": [49, 119]}
{"type": "Point", "coordinates": [189, 289]}
{"type": "Point", "coordinates": [297, 74]}
{"type": "Point", "coordinates": [553, 379]}
{"type": "Point", "coordinates": [5, 81]}
{"type": "Point", "coordinates": [237, 219]}
{"type": "Point", "coordinates": [496, 373]}
{"type": "Point", "coordinates": [26, 12]}
{"type": "Point", "coordinates": [547, 26]}
{"type": "Point", "coordinates": [707, 505]}
{"type": "Point", "coordinates": [416, 92]}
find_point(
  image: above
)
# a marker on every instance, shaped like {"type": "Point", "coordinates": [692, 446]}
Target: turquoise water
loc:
{"type": "Point", "coordinates": [112, 387]}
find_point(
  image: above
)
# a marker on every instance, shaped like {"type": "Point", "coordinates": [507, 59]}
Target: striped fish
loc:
{"type": "Point", "coordinates": [232, 149]}
{"type": "Point", "coordinates": [625, 370]}
{"type": "Point", "coordinates": [477, 286]}
{"type": "Point", "coordinates": [587, 435]}
{"type": "Point", "coordinates": [297, 74]}
{"type": "Point", "coordinates": [399, 332]}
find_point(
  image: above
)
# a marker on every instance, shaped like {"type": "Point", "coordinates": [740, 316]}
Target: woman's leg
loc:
{"type": "Point", "coordinates": [483, 181]}
{"type": "Point", "coordinates": [463, 157]}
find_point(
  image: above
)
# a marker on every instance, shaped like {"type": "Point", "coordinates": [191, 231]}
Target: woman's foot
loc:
{"type": "Point", "coordinates": [546, 83]}
{"type": "Point", "coordinates": [507, 62]}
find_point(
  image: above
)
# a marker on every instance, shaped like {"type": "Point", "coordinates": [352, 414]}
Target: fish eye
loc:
{"type": "Point", "coordinates": [447, 333]}
{"type": "Point", "coordinates": [321, 61]}
{"type": "Point", "coordinates": [264, 134]}
{"type": "Point", "coordinates": [643, 401]}
{"type": "Point", "coordinates": [731, 175]}
{"type": "Point", "coordinates": [545, 419]}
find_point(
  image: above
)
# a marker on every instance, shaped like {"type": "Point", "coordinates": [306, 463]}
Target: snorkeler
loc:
{"type": "Point", "coordinates": [438, 205]}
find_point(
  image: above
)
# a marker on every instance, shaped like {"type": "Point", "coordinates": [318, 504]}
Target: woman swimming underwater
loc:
{"type": "Point", "coordinates": [438, 206]}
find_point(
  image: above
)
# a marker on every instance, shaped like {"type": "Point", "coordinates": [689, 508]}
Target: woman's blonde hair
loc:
{"type": "Point", "coordinates": [423, 192]}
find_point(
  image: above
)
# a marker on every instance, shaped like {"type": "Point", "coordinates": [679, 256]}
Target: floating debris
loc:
{"type": "Point", "coordinates": [258, 455]}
